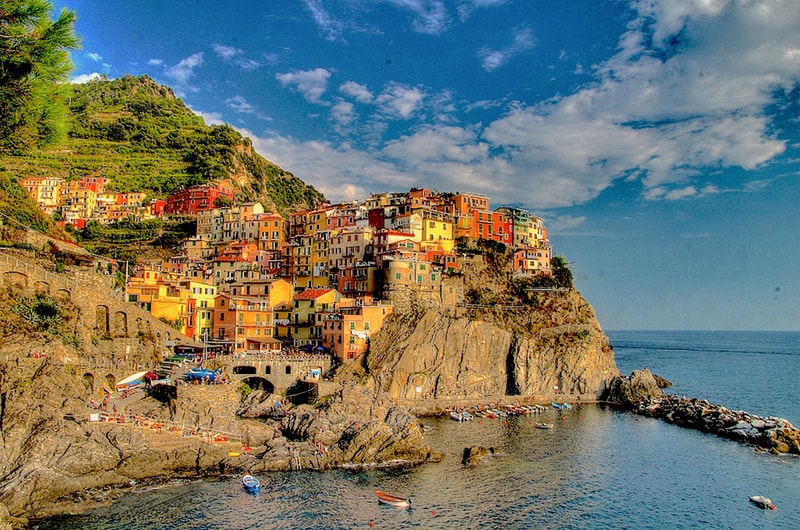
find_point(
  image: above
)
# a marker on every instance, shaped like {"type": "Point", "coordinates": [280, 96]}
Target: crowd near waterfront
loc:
{"type": "Point", "coordinates": [597, 468]}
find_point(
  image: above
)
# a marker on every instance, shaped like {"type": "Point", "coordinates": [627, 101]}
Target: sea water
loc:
{"type": "Point", "coordinates": [598, 468]}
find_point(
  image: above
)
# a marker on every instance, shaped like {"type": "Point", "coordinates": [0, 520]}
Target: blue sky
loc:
{"type": "Point", "coordinates": [659, 139]}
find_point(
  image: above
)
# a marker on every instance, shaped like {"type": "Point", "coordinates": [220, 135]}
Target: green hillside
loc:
{"type": "Point", "coordinates": [139, 135]}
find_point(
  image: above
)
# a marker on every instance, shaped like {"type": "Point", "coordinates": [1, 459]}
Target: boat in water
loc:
{"type": "Point", "coordinates": [544, 425]}
{"type": "Point", "coordinates": [762, 502]}
{"type": "Point", "coordinates": [393, 500]}
{"type": "Point", "coordinates": [251, 483]}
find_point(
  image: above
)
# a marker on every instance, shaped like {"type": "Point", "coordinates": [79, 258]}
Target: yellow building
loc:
{"type": "Point", "coordinates": [437, 231]}
{"type": "Point", "coordinates": [45, 191]}
{"type": "Point", "coordinates": [186, 305]}
{"type": "Point", "coordinates": [306, 318]}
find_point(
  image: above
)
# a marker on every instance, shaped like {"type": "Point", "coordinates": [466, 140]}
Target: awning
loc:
{"type": "Point", "coordinates": [131, 380]}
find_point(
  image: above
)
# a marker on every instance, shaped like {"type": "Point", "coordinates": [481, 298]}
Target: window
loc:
{"type": "Point", "coordinates": [352, 325]}
{"type": "Point", "coordinates": [288, 369]}
{"type": "Point", "coordinates": [366, 326]}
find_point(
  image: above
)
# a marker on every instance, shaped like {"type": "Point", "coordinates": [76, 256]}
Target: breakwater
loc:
{"type": "Point", "coordinates": [776, 435]}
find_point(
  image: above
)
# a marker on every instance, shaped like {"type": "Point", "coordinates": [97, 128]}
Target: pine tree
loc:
{"type": "Point", "coordinates": [34, 64]}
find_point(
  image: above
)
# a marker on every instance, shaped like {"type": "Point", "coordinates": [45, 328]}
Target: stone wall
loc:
{"type": "Point", "coordinates": [110, 328]}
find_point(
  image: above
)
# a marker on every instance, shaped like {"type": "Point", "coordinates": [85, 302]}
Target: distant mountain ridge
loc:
{"type": "Point", "coordinates": [138, 134]}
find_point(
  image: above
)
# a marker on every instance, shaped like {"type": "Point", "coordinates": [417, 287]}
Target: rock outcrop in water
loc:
{"type": "Point", "coordinates": [630, 390]}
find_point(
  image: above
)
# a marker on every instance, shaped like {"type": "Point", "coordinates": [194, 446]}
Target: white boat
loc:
{"type": "Point", "coordinates": [544, 425]}
{"type": "Point", "coordinates": [456, 416]}
{"type": "Point", "coordinates": [762, 502]}
{"type": "Point", "coordinates": [251, 483]}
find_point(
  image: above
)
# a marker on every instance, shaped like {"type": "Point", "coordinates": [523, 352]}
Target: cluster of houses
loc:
{"type": "Point", "coordinates": [258, 281]}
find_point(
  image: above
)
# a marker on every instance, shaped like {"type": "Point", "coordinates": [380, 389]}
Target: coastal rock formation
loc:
{"type": "Point", "coordinates": [630, 390]}
{"type": "Point", "coordinates": [352, 428]}
{"type": "Point", "coordinates": [477, 454]}
{"type": "Point", "coordinates": [557, 349]}
{"type": "Point", "coordinates": [773, 434]}
{"type": "Point", "coordinates": [54, 461]}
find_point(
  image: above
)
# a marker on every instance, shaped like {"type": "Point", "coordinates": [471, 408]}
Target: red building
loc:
{"type": "Point", "coordinates": [189, 201]}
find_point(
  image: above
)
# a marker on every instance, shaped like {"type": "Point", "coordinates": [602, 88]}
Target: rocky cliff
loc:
{"type": "Point", "coordinates": [513, 342]}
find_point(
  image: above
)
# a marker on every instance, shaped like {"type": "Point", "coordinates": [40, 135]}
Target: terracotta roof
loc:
{"type": "Point", "coordinates": [312, 294]}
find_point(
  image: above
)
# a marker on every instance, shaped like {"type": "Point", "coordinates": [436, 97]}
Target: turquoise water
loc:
{"type": "Point", "coordinates": [598, 468]}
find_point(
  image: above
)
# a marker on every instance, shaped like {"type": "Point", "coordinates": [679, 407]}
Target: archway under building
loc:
{"type": "Point", "coordinates": [244, 370]}
{"type": "Point", "coordinates": [259, 383]}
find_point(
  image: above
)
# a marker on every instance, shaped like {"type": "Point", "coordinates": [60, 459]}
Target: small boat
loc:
{"type": "Point", "coordinates": [251, 483]}
{"type": "Point", "coordinates": [566, 406]}
{"type": "Point", "coordinates": [543, 425]}
{"type": "Point", "coordinates": [456, 416]}
{"type": "Point", "coordinates": [556, 405]}
{"type": "Point", "coordinates": [393, 500]}
{"type": "Point", "coordinates": [762, 502]}
{"type": "Point", "coordinates": [234, 454]}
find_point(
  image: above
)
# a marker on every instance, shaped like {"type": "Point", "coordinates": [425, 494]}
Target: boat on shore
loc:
{"type": "Point", "coordinates": [762, 502]}
{"type": "Point", "coordinates": [251, 483]}
{"type": "Point", "coordinates": [393, 500]}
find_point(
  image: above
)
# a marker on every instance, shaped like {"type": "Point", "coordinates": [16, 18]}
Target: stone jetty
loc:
{"type": "Point", "coordinates": [641, 393]}
{"type": "Point", "coordinates": [776, 435]}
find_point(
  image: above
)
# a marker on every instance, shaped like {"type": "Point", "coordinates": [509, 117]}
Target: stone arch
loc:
{"type": "Point", "coordinates": [41, 287]}
{"type": "Point", "coordinates": [120, 324]}
{"type": "Point", "coordinates": [101, 319]}
{"type": "Point", "coordinates": [110, 382]}
{"type": "Point", "coordinates": [244, 370]}
{"type": "Point", "coordinates": [88, 382]}
{"type": "Point", "coordinates": [259, 383]}
{"type": "Point", "coordinates": [62, 295]}
{"type": "Point", "coordinates": [16, 278]}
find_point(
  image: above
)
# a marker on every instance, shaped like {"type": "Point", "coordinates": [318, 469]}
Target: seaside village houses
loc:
{"type": "Point", "coordinates": [322, 280]}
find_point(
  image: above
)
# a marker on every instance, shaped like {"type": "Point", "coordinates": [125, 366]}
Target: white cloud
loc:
{"type": "Point", "coordinates": [226, 52]}
{"type": "Point", "coordinates": [236, 56]}
{"type": "Point", "coordinates": [342, 112]}
{"type": "Point", "coordinates": [400, 101]}
{"type": "Point", "coordinates": [341, 173]}
{"type": "Point", "coordinates": [242, 106]}
{"type": "Point", "coordinates": [96, 57]}
{"type": "Point", "coordinates": [522, 40]}
{"type": "Point", "coordinates": [430, 16]}
{"type": "Point", "coordinates": [184, 70]}
{"type": "Point", "coordinates": [85, 78]}
{"type": "Point", "coordinates": [357, 91]}
{"type": "Point", "coordinates": [687, 90]}
{"type": "Point", "coordinates": [155, 62]}
{"type": "Point", "coordinates": [328, 24]}
{"type": "Point", "coordinates": [467, 7]}
{"type": "Point", "coordinates": [562, 223]}
{"type": "Point", "coordinates": [311, 83]}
